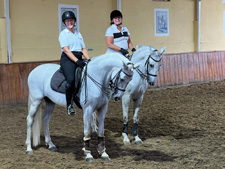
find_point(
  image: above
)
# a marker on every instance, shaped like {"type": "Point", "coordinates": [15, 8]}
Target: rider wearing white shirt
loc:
{"type": "Point", "coordinates": [117, 37]}
{"type": "Point", "coordinates": [73, 40]}
{"type": "Point", "coordinates": [73, 48]}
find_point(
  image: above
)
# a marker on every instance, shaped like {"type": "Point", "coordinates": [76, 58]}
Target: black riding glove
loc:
{"type": "Point", "coordinates": [81, 63]}
{"type": "Point", "coordinates": [124, 52]}
{"type": "Point", "coordinates": [133, 49]}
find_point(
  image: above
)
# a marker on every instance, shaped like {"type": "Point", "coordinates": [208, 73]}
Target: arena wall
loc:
{"type": "Point", "coordinates": [177, 69]}
{"type": "Point", "coordinates": [34, 26]}
{"type": "Point", "coordinates": [34, 38]}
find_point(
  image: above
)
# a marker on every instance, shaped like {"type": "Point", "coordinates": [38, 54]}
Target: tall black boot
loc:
{"type": "Point", "coordinates": [69, 96]}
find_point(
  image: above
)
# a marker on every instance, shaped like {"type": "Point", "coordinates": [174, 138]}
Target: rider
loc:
{"type": "Point", "coordinates": [72, 47]}
{"type": "Point", "coordinates": [117, 37]}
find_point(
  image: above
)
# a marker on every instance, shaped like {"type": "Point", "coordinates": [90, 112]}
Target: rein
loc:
{"type": "Point", "coordinates": [106, 90]}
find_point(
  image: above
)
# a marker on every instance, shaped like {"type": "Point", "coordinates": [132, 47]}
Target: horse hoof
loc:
{"type": "Point", "coordinates": [53, 149]}
{"type": "Point", "coordinates": [106, 159]}
{"type": "Point", "coordinates": [138, 142]}
{"type": "Point", "coordinates": [90, 160]}
{"type": "Point", "coordinates": [126, 143]}
{"type": "Point", "coordinates": [29, 152]}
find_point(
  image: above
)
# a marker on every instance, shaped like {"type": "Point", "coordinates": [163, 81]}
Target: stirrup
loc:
{"type": "Point", "coordinates": [71, 110]}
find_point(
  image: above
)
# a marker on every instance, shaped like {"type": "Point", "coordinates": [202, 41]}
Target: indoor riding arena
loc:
{"type": "Point", "coordinates": [182, 117]}
{"type": "Point", "coordinates": [181, 127]}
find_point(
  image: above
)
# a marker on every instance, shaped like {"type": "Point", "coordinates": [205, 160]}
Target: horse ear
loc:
{"type": "Point", "coordinates": [128, 66]}
{"type": "Point", "coordinates": [162, 50]}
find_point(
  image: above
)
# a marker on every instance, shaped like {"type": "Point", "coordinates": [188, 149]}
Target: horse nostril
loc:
{"type": "Point", "coordinates": [116, 99]}
{"type": "Point", "coordinates": [151, 83]}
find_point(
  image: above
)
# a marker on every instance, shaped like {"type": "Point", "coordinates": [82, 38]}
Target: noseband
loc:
{"type": "Point", "coordinates": [107, 90]}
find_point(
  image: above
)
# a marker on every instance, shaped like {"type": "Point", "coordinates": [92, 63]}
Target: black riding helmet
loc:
{"type": "Point", "coordinates": [68, 15]}
{"type": "Point", "coordinates": [114, 14]}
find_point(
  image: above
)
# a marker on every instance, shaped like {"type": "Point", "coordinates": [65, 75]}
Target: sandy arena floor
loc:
{"type": "Point", "coordinates": [181, 128]}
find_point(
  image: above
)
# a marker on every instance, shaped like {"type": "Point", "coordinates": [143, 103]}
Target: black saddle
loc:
{"type": "Point", "coordinates": [58, 84]}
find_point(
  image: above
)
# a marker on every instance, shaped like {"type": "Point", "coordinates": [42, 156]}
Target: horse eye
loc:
{"type": "Point", "coordinates": [151, 65]}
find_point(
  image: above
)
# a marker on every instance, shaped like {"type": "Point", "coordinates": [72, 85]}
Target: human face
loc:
{"type": "Point", "coordinates": [69, 23]}
{"type": "Point", "coordinates": [117, 20]}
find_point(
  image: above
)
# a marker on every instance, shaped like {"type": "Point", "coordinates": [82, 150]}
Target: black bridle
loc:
{"type": "Point", "coordinates": [113, 83]}
{"type": "Point", "coordinates": [116, 77]}
{"type": "Point", "coordinates": [143, 76]}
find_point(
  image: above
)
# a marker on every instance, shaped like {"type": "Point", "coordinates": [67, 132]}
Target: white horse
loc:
{"type": "Point", "coordinates": [106, 76]}
{"type": "Point", "coordinates": [150, 62]}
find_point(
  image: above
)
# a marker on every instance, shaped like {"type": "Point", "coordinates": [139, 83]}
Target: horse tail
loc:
{"type": "Point", "coordinates": [37, 125]}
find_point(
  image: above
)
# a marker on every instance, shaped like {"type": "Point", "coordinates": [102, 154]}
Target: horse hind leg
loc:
{"type": "Point", "coordinates": [49, 107]}
{"type": "Point", "coordinates": [33, 106]}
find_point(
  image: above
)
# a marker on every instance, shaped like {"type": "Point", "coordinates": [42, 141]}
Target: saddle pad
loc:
{"type": "Point", "coordinates": [58, 82]}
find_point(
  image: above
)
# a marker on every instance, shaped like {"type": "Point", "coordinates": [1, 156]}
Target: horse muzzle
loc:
{"type": "Point", "coordinates": [117, 98]}
{"type": "Point", "coordinates": [151, 83]}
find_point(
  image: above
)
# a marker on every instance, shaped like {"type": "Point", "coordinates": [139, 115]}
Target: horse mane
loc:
{"type": "Point", "coordinates": [142, 50]}
{"type": "Point", "coordinates": [115, 57]}
{"type": "Point", "coordinates": [145, 48]}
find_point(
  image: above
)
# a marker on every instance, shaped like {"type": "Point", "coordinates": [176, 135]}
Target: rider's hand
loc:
{"type": "Point", "coordinates": [123, 51]}
{"type": "Point", "coordinates": [81, 63]}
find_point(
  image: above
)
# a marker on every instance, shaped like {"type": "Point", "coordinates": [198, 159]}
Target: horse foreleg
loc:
{"type": "Point", "coordinates": [137, 105]}
{"type": "Point", "coordinates": [101, 149]}
{"type": "Point", "coordinates": [125, 104]}
{"type": "Point", "coordinates": [49, 107]}
{"type": "Point", "coordinates": [32, 109]}
{"type": "Point", "coordinates": [94, 124]}
{"type": "Point", "coordinates": [101, 139]}
{"type": "Point", "coordinates": [87, 117]}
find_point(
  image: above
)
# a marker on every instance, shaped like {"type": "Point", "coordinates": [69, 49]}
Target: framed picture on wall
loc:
{"type": "Point", "coordinates": [64, 7]}
{"type": "Point", "coordinates": [161, 22]}
{"type": "Point", "coordinates": [223, 1]}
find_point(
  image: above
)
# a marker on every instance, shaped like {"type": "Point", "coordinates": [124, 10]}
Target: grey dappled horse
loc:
{"type": "Point", "coordinates": [107, 76]}
{"type": "Point", "coordinates": [150, 62]}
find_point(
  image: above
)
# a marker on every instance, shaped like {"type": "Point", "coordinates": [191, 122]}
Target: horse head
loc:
{"type": "Point", "coordinates": [121, 78]}
{"type": "Point", "coordinates": [153, 60]}
{"type": "Point", "coordinates": [153, 64]}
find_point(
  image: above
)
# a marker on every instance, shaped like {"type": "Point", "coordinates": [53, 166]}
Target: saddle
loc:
{"type": "Point", "coordinates": [58, 84]}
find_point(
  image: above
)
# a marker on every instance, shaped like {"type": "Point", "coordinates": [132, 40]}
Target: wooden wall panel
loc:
{"type": "Point", "coordinates": [176, 69]}
{"type": "Point", "coordinates": [13, 82]}
{"type": "Point", "coordinates": [187, 68]}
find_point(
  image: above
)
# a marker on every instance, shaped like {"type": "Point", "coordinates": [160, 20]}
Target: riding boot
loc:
{"type": "Point", "coordinates": [69, 96]}
{"type": "Point", "coordinates": [70, 110]}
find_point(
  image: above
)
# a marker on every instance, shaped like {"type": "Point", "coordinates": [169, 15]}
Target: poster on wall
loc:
{"type": "Point", "coordinates": [64, 7]}
{"type": "Point", "coordinates": [161, 22]}
{"type": "Point", "coordinates": [223, 1]}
